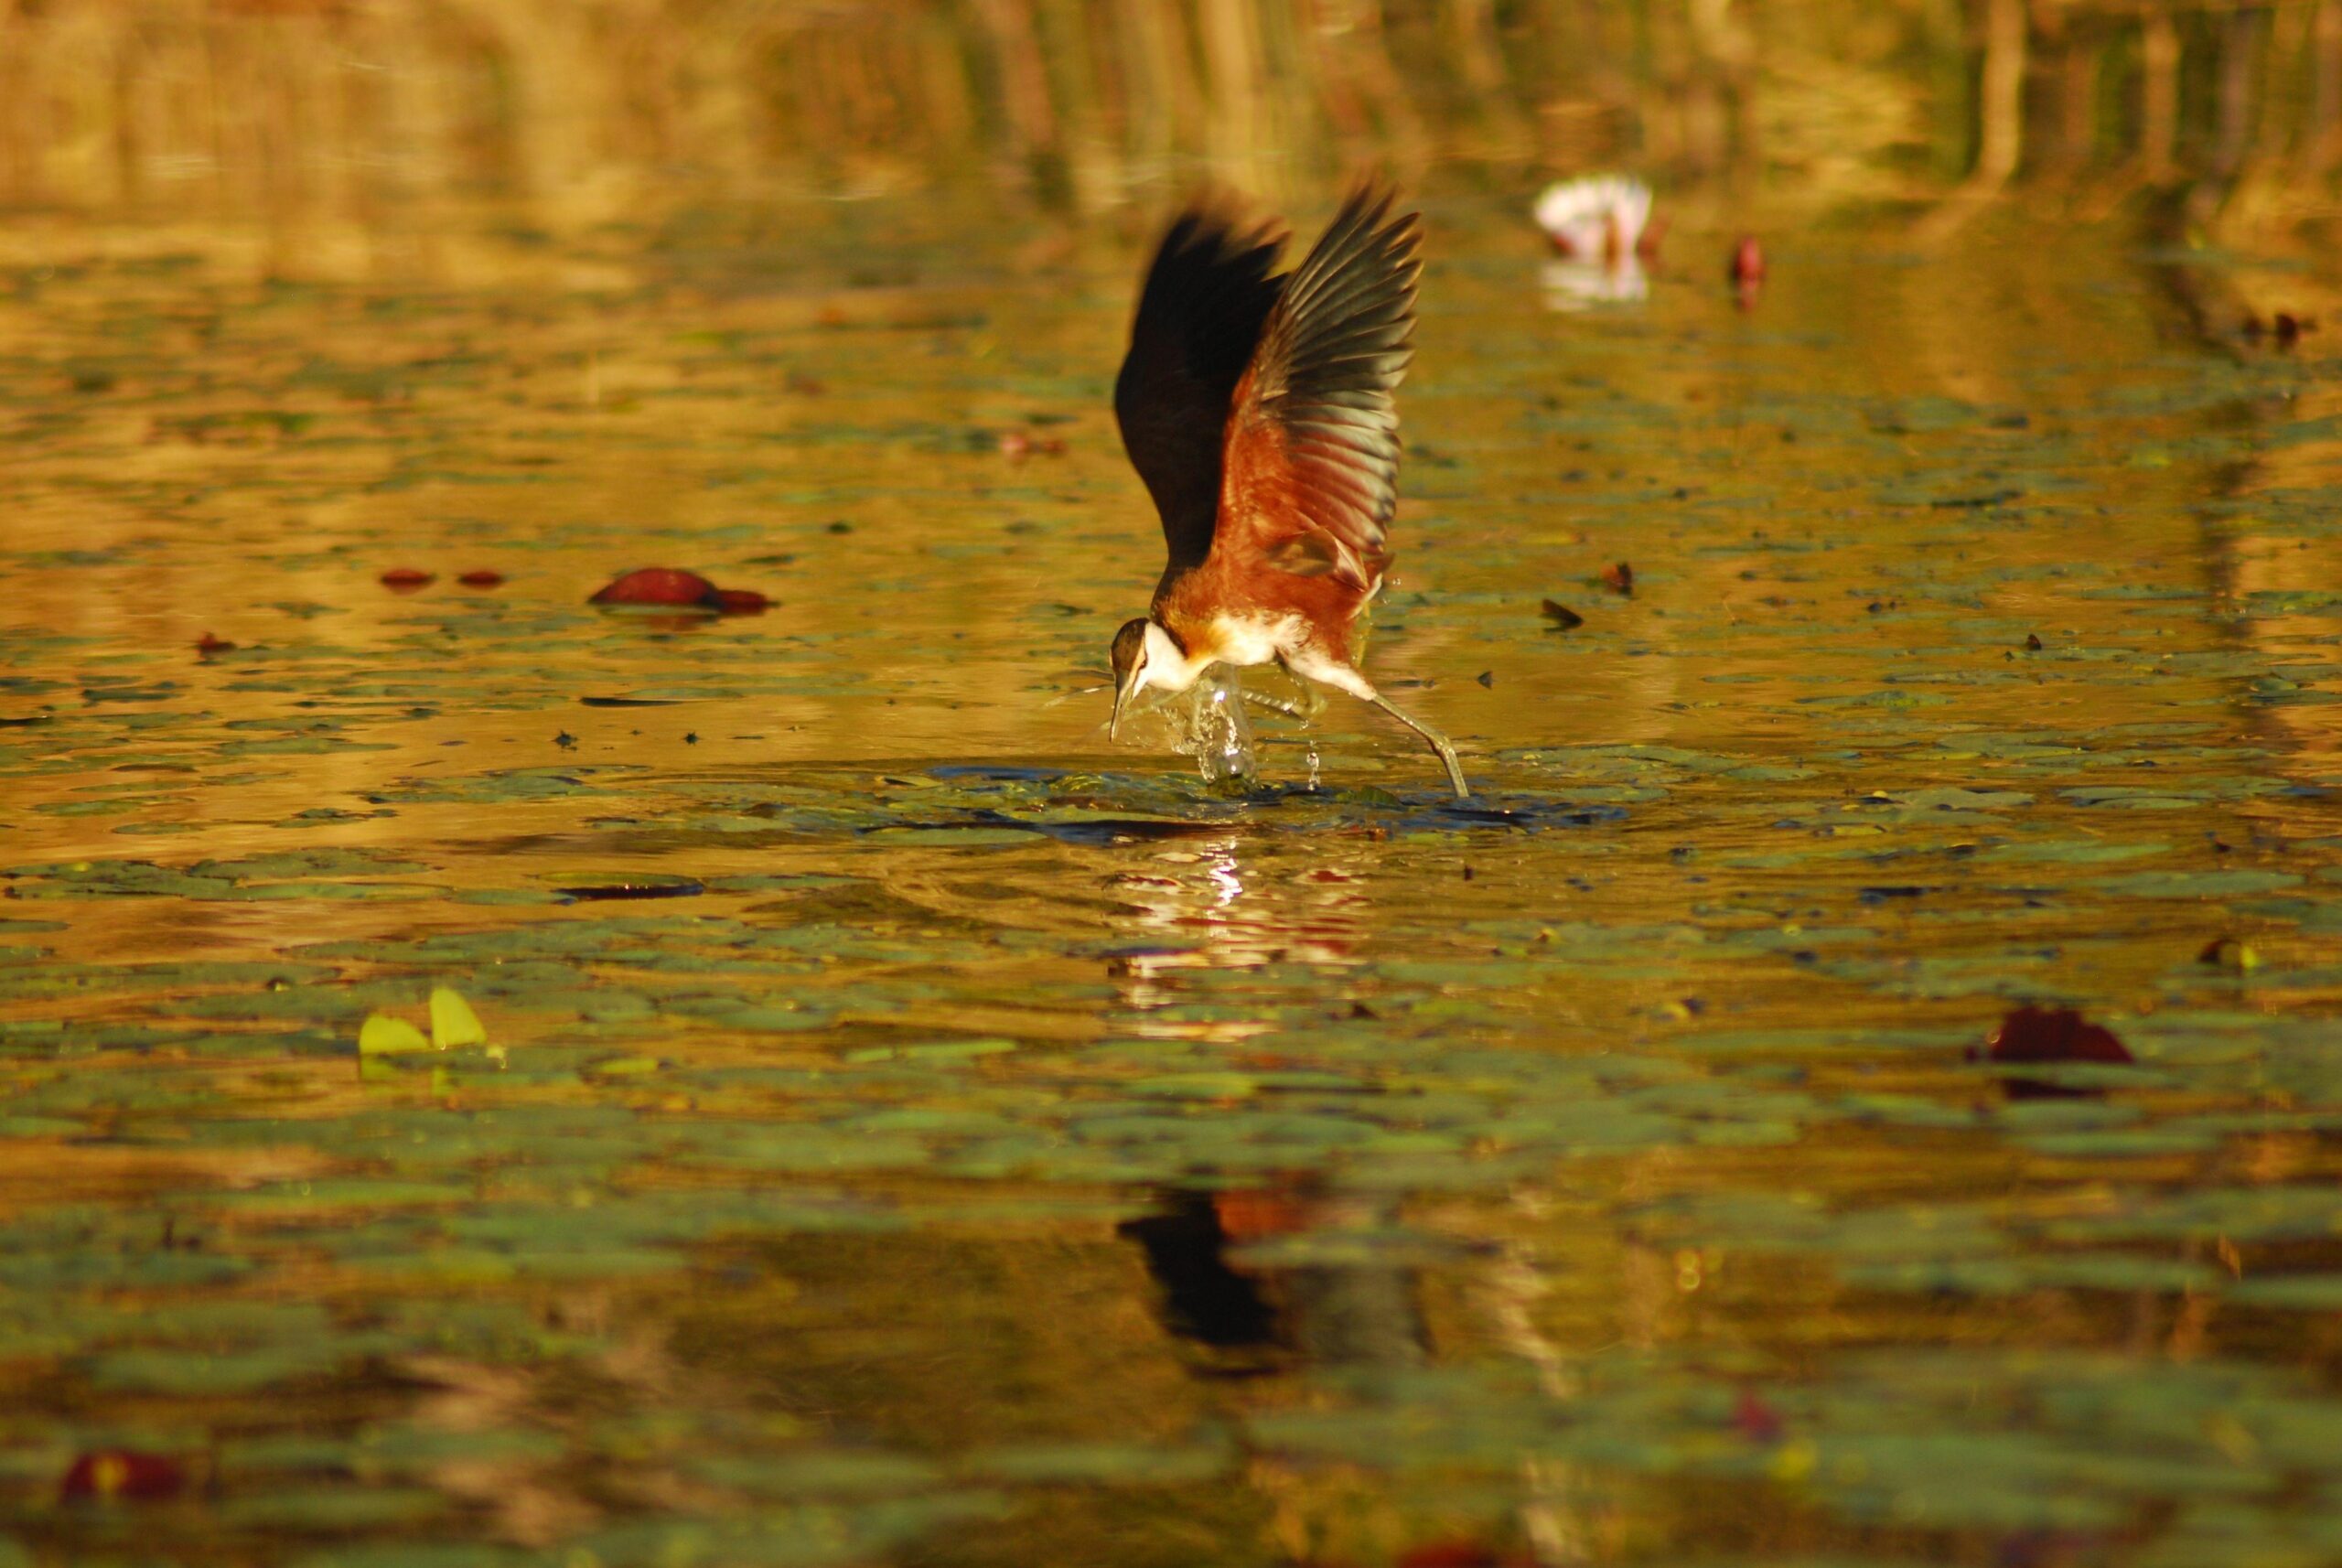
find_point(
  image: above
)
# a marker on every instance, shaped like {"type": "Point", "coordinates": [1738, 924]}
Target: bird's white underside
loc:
{"type": "Point", "coordinates": [1243, 640]}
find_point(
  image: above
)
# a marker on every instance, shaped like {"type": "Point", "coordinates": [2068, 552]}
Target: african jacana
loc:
{"type": "Point", "coordinates": [1257, 406]}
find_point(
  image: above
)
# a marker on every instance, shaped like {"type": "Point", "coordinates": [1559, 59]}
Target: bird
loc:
{"type": "Point", "coordinates": [1603, 219]}
{"type": "Point", "coordinates": [1602, 227]}
{"type": "Point", "coordinates": [1258, 408]}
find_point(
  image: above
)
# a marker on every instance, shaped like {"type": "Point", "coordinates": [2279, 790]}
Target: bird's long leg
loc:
{"type": "Point", "coordinates": [1313, 665]}
{"type": "Point", "coordinates": [1437, 741]}
{"type": "Point", "coordinates": [1276, 704]}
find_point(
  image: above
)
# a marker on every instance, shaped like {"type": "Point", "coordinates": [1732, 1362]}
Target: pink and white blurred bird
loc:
{"type": "Point", "coordinates": [1598, 218]}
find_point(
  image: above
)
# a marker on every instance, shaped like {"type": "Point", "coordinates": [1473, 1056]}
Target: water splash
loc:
{"type": "Point", "coordinates": [1213, 728]}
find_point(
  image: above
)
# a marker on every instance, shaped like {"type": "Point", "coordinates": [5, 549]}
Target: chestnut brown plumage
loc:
{"type": "Point", "coordinates": [1259, 410]}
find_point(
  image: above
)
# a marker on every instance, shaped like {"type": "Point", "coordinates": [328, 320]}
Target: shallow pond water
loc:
{"type": "Point", "coordinates": [909, 1130]}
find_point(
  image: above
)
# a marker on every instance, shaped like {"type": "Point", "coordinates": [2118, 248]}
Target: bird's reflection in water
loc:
{"type": "Point", "coordinates": [1242, 1317]}
{"type": "Point", "coordinates": [1235, 1268]}
{"type": "Point", "coordinates": [1575, 285]}
{"type": "Point", "coordinates": [1247, 1317]}
{"type": "Point", "coordinates": [1205, 1299]}
{"type": "Point", "coordinates": [1210, 911]}
{"type": "Point", "coordinates": [1202, 907]}
{"type": "Point", "coordinates": [1213, 912]}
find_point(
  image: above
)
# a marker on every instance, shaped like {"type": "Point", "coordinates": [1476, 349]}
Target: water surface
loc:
{"type": "Point", "coordinates": [913, 1132]}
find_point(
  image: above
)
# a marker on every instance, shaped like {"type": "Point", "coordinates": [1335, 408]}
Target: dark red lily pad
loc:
{"type": "Point", "coordinates": [2031, 1034]}
{"type": "Point", "coordinates": [658, 585]}
{"type": "Point", "coordinates": [207, 644]}
{"type": "Point", "coordinates": [667, 587]}
{"type": "Point", "coordinates": [1756, 1420]}
{"type": "Point", "coordinates": [405, 579]}
{"type": "Point", "coordinates": [107, 1473]}
{"type": "Point", "coordinates": [481, 579]}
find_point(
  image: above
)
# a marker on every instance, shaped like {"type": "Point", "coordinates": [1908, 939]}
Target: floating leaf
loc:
{"type": "Point", "coordinates": [664, 887]}
{"type": "Point", "coordinates": [453, 1022]}
{"type": "Point", "coordinates": [383, 1035]}
{"type": "Point", "coordinates": [2031, 1034]}
{"type": "Point", "coordinates": [2291, 1293]}
{"type": "Point", "coordinates": [660, 585]}
{"type": "Point", "coordinates": [122, 1473]}
{"type": "Point", "coordinates": [2229, 953]}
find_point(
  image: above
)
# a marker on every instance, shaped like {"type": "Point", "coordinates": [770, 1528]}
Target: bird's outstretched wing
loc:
{"type": "Point", "coordinates": [1200, 318]}
{"type": "Point", "coordinates": [1312, 459]}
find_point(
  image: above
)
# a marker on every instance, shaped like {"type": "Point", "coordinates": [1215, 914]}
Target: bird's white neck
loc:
{"type": "Point", "coordinates": [1168, 667]}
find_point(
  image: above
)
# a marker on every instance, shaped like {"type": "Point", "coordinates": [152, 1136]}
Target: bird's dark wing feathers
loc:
{"type": "Point", "coordinates": [1313, 445]}
{"type": "Point", "coordinates": [1200, 316]}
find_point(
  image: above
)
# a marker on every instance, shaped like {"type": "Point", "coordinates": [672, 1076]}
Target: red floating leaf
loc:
{"type": "Point", "coordinates": [481, 579]}
{"type": "Point", "coordinates": [1757, 1421]}
{"type": "Point", "coordinates": [207, 644]}
{"type": "Point", "coordinates": [658, 585]}
{"type": "Point", "coordinates": [2052, 1035]}
{"type": "Point", "coordinates": [404, 579]}
{"type": "Point", "coordinates": [123, 1473]}
{"type": "Point", "coordinates": [741, 602]}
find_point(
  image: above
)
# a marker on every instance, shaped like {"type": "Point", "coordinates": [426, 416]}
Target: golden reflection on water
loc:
{"type": "Point", "coordinates": [1207, 909]}
{"type": "Point", "coordinates": [315, 132]}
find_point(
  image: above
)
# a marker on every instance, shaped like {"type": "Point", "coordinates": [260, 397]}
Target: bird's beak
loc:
{"type": "Point", "coordinates": [1122, 691]}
